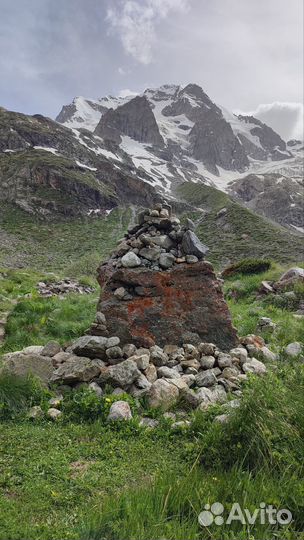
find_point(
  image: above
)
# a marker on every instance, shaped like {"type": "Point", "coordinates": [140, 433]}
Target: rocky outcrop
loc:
{"type": "Point", "coordinates": [156, 288]}
{"type": "Point", "coordinates": [134, 119]}
{"type": "Point", "coordinates": [272, 195]}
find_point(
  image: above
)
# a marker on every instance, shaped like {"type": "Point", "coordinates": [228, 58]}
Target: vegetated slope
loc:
{"type": "Point", "coordinates": [233, 232]}
{"type": "Point", "coordinates": [75, 246]}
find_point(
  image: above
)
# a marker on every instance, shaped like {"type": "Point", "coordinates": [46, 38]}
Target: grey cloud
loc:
{"type": "Point", "coordinates": [243, 53]}
{"type": "Point", "coordinates": [285, 118]}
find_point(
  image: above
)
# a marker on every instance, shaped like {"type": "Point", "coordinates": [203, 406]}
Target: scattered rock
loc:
{"type": "Point", "coordinates": [120, 410]}
{"type": "Point", "coordinates": [181, 424]}
{"type": "Point", "coordinates": [130, 260]}
{"type": "Point", "coordinates": [141, 360]}
{"type": "Point", "coordinates": [291, 277]}
{"type": "Point", "coordinates": [56, 401]}
{"type": "Point", "coordinates": [61, 288]}
{"type": "Point", "coordinates": [293, 349]}
{"type": "Point", "coordinates": [53, 413]}
{"type": "Point", "coordinates": [149, 423]}
{"type": "Point", "coordinates": [206, 378]}
{"type": "Point", "coordinates": [77, 369]}
{"type": "Point", "coordinates": [162, 394]}
{"type": "Point", "coordinates": [51, 349]}
{"type": "Point", "coordinates": [122, 375]}
{"type": "Point", "coordinates": [221, 419]}
{"type": "Point", "coordinates": [254, 366]}
{"type": "Point", "coordinates": [35, 413]}
{"type": "Point", "coordinates": [265, 324]}
{"type": "Point", "coordinates": [96, 388]}
{"type": "Point", "coordinates": [92, 346]}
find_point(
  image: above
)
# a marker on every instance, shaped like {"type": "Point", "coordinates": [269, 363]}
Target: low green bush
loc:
{"type": "Point", "coordinates": [247, 266]}
{"type": "Point", "coordinates": [17, 394]}
{"type": "Point", "coordinates": [83, 404]}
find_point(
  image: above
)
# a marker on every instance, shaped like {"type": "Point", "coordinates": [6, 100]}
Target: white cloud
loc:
{"type": "Point", "coordinates": [126, 92]}
{"type": "Point", "coordinates": [135, 22]}
{"type": "Point", "coordinates": [284, 117]}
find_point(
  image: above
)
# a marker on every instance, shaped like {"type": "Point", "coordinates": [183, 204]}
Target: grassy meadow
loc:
{"type": "Point", "coordinates": [79, 478]}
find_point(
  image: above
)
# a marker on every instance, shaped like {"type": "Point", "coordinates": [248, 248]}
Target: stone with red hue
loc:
{"type": "Point", "coordinates": [186, 298]}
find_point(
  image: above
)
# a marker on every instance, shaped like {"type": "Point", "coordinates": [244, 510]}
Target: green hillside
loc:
{"type": "Point", "coordinates": [237, 233]}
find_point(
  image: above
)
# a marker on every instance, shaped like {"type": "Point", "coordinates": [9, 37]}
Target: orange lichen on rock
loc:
{"type": "Point", "coordinates": [178, 305]}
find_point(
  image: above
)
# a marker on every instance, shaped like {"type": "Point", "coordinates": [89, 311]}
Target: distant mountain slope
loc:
{"type": "Point", "coordinates": [49, 170]}
{"type": "Point", "coordinates": [274, 196]}
{"type": "Point", "coordinates": [109, 152]}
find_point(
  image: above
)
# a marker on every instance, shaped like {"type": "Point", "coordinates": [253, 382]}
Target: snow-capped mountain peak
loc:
{"type": "Point", "coordinates": [172, 133]}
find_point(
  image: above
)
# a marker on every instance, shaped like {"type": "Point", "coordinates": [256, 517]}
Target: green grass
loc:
{"type": "Point", "coordinates": [38, 320]}
{"type": "Point", "coordinates": [53, 476]}
{"type": "Point", "coordinates": [74, 246]}
{"type": "Point", "coordinates": [246, 308]}
{"type": "Point", "coordinates": [17, 394]}
{"type": "Point", "coordinates": [255, 458]}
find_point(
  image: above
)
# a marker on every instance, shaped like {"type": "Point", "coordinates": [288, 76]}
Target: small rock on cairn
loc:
{"type": "Point", "coordinates": [156, 287]}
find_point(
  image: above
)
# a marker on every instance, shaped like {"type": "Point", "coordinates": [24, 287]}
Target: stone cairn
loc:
{"type": "Point", "coordinates": [162, 330]}
{"type": "Point", "coordinates": [156, 288]}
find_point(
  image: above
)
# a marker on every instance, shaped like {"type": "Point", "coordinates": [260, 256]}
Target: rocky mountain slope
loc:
{"type": "Point", "coordinates": [131, 152]}
{"type": "Point", "coordinates": [47, 169]}
{"type": "Point", "coordinates": [274, 196]}
{"type": "Point", "coordinates": [174, 134]}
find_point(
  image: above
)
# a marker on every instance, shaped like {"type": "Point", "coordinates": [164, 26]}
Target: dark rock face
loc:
{"type": "Point", "coordinates": [51, 182]}
{"type": "Point", "coordinates": [134, 119]}
{"type": "Point", "coordinates": [214, 143]}
{"type": "Point", "coordinates": [68, 112]}
{"type": "Point", "coordinates": [269, 139]}
{"type": "Point", "coordinates": [187, 298]}
{"type": "Point", "coordinates": [272, 195]}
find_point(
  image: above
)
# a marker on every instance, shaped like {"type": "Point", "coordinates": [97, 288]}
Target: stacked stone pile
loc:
{"type": "Point", "coordinates": [158, 242]}
{"type": "Point", "coordinates": [197, 375]}
{"type": "Point", "coordinates": [156, 287]}
{"type": "Point", "coordinates": [62, 287]}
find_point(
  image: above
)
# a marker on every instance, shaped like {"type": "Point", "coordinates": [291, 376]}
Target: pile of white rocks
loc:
{"type": "Point", "coordinates": [62, 287]}
{"type": "Point", "coordinates": [158, 242]}
{"type": "Point", "coordinates": [195, 376]}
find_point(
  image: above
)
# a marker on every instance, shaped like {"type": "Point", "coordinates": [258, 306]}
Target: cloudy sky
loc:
{"type": "Point", "coordinates": [246, 54]}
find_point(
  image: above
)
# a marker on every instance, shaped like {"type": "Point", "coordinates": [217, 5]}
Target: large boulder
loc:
{"type": "Point", "coordinates": [122, 375]}
{"type": "Point", "coordinates": [93, 346]}
{"type": "Point", "coordinates": [162, 394]}
{"type": "Point", "coordinates": [77, 369]}
{"type": "Point", "coordinates": [24, 364]}
{"type": "Point", "coordinates": [289, 278]}
{"type": "Point", "coordinates": [164, 306]}
{"type": "Point", "coordinates": [193, 246]}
